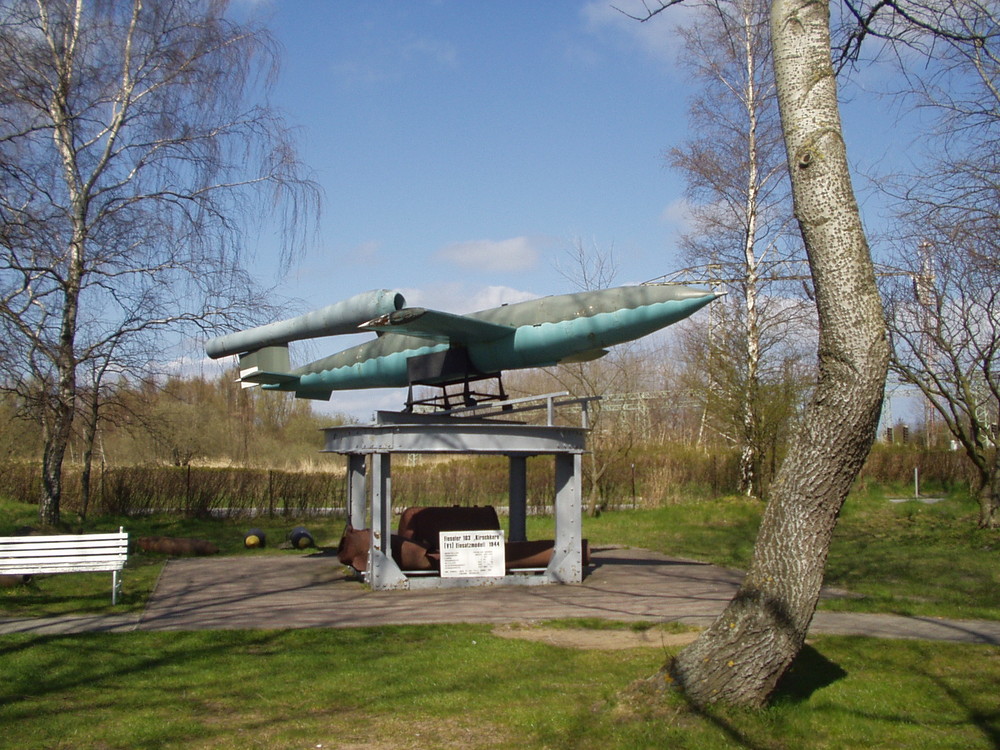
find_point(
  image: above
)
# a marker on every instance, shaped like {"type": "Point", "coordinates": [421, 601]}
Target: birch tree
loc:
{"type": "Point", "coordinates": [134, 143]}
{"type": "Point", "coordinates": [741, 214]}
{"type": "Point", "coordinates": [741, 657]}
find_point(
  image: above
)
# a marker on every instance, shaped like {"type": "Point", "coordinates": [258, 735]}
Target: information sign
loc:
{"type": "Point", "coordinates": [469, 554]}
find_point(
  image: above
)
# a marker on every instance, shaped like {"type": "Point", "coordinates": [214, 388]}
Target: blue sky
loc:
{"type": "Point", "coordinates": [464, 147]}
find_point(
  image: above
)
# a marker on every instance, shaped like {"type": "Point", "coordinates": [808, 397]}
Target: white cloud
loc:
{"type": "Point", "coordinates": [657, 37]}
{"type": "Point", "coordinates": [511, 255]}
{"type": "Point", "coordinates": [357, 74]}
{"type": "Point", "coordinates": [362, 404]}
{"type": "Point", "coordinates": [443, 53]}
{"type": "Point", "coordinates": [194, 363]}
{"type": "Point", "coordinates": [678, 215]}
{"type": "Point", "coordinates": [390, 61]}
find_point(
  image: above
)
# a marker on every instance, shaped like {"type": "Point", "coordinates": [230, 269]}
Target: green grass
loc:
{"type": "Point", "coordinates": [915, 559]}
{"type": "Point", "coordinates": [226, 533]}
{"type": "Point", "coordinates": [720, 531]}
{"type": "Point", "coordinates": [637, 626]}
{"type": "Point", "coordinates": [459, 686]}
{"type": "Point", "coordinates": [906, 558]}
{"type": "Point", "coordinates": [900, 558]}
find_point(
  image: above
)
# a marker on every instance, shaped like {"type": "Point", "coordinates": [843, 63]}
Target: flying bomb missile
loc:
{"type": "Point", "coordinates": [418, 346]}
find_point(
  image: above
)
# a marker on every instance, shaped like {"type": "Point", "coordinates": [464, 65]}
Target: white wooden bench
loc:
{"type": "Point", "coordinates": [66, 553]}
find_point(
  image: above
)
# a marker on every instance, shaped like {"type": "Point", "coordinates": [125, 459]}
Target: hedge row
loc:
{"type": "Point", "coordinates": [192, 491]}
{"type": "Point", "coordinates": [648, 476]}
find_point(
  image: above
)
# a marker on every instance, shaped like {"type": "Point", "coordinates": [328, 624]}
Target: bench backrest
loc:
{"type": "Point", "coordinates": [65, 553]}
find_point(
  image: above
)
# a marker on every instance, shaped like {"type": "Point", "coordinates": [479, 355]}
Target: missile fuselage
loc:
{"type": "Point", "coordinates": [536, 333]}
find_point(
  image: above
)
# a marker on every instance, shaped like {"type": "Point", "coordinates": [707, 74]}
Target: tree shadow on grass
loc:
{"type": "Point", "coordinates": [811, 671]}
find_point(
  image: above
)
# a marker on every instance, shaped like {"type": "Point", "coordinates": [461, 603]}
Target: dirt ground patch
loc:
{"type": "Point", "coordinates": [587, 638]}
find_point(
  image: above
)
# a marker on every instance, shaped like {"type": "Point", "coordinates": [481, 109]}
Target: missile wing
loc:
{"type": "Point", "coordinates": [439, 326]}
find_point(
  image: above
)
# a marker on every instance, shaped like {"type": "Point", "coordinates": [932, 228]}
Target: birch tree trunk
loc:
{"type": "Point", "coordinates": [750, 451]}
{"type": "Point", "coordinates": [741, 657]}
{"type": "Point", "coordinates": [64, 359]}
{"type": "Point", "coordinates": [989, 496]}
{"type": "Point", "coordinates": [135, 154]}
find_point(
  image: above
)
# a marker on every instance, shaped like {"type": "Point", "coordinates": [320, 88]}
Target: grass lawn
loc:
{"type": "Point", "coordinates": [915, 559]}
{"type": "Point", "coordinates": [459, 686]}
{"type": "Point", "coordinates": [899, 558]}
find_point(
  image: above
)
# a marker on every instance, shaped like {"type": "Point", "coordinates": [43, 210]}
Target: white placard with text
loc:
{"type": "Point", "coordinates": [470, 554]}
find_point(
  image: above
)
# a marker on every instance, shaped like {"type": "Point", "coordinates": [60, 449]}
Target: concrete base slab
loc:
{"type": "Point", "coordinates": [317, 591]}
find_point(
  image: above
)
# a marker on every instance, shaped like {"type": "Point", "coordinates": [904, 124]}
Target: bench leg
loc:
{"type": "Point", "coordinates": [116, 587]}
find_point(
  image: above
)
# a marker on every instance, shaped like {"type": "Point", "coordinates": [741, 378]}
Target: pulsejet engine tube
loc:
{"type": "Point", "coordinates": [333, 320]}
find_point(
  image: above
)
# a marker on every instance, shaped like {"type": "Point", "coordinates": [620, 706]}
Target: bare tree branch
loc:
{"type": "Point", "coordinates": [134, 157]}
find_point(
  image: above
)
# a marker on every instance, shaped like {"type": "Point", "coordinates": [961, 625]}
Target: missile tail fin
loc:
{"type": "Point", "coordinates": [266, 366]}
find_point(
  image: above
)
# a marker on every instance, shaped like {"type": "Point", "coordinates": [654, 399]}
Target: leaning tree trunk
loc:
{"type": "Point", "coordinates": [741, 657]}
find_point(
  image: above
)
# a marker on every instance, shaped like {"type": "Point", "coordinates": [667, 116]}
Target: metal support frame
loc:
{"type": "Point", "coordinates": [381, 566]}
{"type": "Point", "coordinates": [392, 435]}
{"type": "Point", "coordinates": [517, 498]}
{"type": "Point", "coordinates": [357, 503]}
{"type": "Point", "coordinates": [566, 565]}
{"type": "Point", "coordinates": [468, 397]}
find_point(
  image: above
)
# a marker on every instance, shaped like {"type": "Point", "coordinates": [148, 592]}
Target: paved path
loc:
{"type": "Point", "coordinates": [313, 591]}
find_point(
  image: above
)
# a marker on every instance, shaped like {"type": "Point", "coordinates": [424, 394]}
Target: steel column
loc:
{"type": "Point", "coordinates": [383, 573]}
{"type": "Point", "coordinates": [357, 491]}
{"type": "Point", "coordinates": [517, 508]}
{"type": "Point", "coordinates": [567, 556]}
{"type": "Point", "coordinates": [393, 435]}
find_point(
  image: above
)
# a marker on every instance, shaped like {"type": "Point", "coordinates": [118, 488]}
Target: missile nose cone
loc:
{"type": "Point", "coordinates": [687, 292]}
